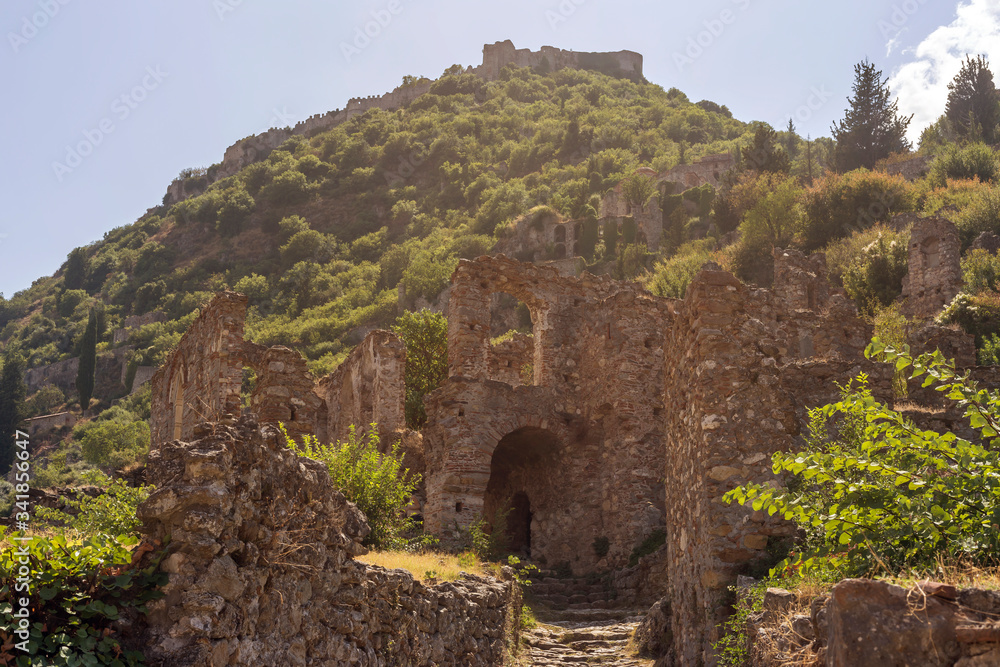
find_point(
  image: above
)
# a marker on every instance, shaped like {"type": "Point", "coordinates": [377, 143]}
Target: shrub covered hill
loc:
{"type": "Point", "coordinates": [320, 234]}
{"type": "Point", "coordinates": [338, 231]}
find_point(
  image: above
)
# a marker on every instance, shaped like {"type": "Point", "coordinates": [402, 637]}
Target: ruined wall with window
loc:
{"type": "Point", "coordinates": [573, 450]}
{"type": "Point", "coordinates": [201, 381]}
{"type": "Point", "coordinates": [365, 388]}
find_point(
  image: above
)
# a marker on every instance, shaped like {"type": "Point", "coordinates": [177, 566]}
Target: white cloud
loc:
{"type": "Point", "coordinates": [922, 85]}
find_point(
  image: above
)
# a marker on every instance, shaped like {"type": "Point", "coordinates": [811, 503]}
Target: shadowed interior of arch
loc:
{"type": "Point", "coordinates": [522, 475]}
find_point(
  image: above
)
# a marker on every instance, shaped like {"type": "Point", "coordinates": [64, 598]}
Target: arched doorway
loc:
{"type": "Point", "coordinates": [522, 479]}
{"type": "Point", "coordinates": [519, 524]}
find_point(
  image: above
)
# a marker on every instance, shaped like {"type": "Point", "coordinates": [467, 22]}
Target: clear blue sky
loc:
{"type": "Point", "coordinates": [197, 75]}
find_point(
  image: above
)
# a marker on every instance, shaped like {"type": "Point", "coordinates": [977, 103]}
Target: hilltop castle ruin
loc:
{"type": "Point", "coordinates": [246, 151]}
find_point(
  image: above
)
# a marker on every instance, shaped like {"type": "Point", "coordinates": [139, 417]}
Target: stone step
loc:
{"type": "Point", "coordinates": [603, 644]}
{"type": "Point", "coordinates": [595, 616]}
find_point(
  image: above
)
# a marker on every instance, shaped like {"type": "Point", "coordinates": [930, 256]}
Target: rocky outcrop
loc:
{"type": "Point", "coordinates": [261, 569]}
{"type": "Point", "coordinates": [867, 623]}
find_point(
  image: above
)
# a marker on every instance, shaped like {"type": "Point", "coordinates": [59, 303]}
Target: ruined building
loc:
{"type": "Point", "coordinates": [935, 268]}
{"type": "Point", "coordinates": [201, 381]}
{"type": "Point", "coordinates": [621, 413]}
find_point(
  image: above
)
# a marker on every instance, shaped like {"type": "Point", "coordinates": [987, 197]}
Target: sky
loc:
{"type": "Point", "coordinates": [104, 105]}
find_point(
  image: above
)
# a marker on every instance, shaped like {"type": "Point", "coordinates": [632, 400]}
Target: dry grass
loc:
{"type": "Point", "coordinates": [430, 565]}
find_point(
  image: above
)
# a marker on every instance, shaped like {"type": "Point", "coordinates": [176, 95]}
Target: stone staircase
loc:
{"type": "Point", "coordinates": [580, 623]}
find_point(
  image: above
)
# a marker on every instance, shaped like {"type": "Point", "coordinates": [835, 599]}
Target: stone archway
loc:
{"type": "Point", "coordinates": [523, 484]}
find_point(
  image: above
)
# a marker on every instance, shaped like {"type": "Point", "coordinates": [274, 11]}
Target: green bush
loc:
{"type": "Point", "coordinates": [988, 354]}
{"type": "Point", "coordinates": [81, 593]}
{"type": "Point", "coordinates": [425, 335]}
{"type": "Point", "coordinates": [115, 444]}
{"type": "Point", "coordinates": [671, 277]}
{"type": "Point", "coordinates": [875, 277]}
{"type": "Point", "coordinates": [113, 513]}
{"type": "Point", "coordinates": [962, 162]}
{"type": "Point", "coordinates": [976, 314]}
{"type": "Point", "coordinates": [982, 216]}
{"type": "Point", "coordinates": [840, 204]}
{"type": "Point", "coordinates": [377, 483]}
{"type": "Point", "coordinates": [981, 270]}
{"type": "Point", "coordinates": [874, 492]}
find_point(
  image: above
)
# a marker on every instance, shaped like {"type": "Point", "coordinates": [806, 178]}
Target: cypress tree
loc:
{"type": "Point", "coordinates": [12, 393]}
{"type": "Point", "coordinates": [88, 362]}
{"type": "Point", "coordinates": [871, 129]}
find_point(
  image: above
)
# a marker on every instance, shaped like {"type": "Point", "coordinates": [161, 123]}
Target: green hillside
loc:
{"type": "Point", "coordinates": [321, 233]}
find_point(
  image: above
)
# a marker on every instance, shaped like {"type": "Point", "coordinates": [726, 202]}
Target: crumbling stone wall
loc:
{"type": "Point", "coordinates": [499, 55]}
{"type": "Point", "coordinates": [366, 388]}
{"type": "Point", "coordinates": [709, 170]}
{"type": "Point", "coordinates": [201, 381]}
{"type": "Point", "coordinates": [582, 441]}
{"type": "Point", "coordinates": [542, 236]}
{"type": "Point", "coordinates": [262, 569]}
{"type": "Point", "coordinates": [935, 269]}
{"type": "Point", "coordinates": [737, 389]}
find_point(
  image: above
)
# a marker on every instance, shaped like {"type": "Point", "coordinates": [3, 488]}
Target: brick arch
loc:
{"type": "Point", "coordinates": [458, 480]}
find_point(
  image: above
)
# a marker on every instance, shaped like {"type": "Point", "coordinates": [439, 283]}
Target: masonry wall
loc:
{"type": "Point", "coordinates": [369, 386]}
{"type": "Point", "coordinates": [742, 368]}
{"type": "Point", "coordinates": [200, 380]}
{"type": "Point", "coordinates": [580, 440]}
{"type": "Point", "coordinates": [935, 268]}
{"type": "Point", "coordinates": [262, 569]}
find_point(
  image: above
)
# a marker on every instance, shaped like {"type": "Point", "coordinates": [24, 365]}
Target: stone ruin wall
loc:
{"type": "Point", "coordinates": [736, 391]}
{"type": "Point", "coordinates": [202, 378]}
{"type": "Point", "coordinates": [262, 569]}
{"type": "Point", "coordinates": [365, 388]}
{"type": "Point", "coordinates": [579, 441]}
{"type": "Point", "coordinates": [499, 55]}
{"type": "Point", "coordinates": [640, 413]}
{"type": "Point", "coordinates": [935, 268]}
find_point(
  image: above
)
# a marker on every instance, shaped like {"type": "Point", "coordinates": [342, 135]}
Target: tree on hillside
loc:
{"type": "Point", "coordinates": [973, 108]}
{"type": "Point", "coordinates": [12, 392]}
{"type": "Point", "coordinates": [764, 154]}
{"type": "Point", "coordinates": [76, 269]}
{"type": "Point", "coordinates": [637, 189]}
{"type": "Point", "coordinates": [426, 337]}
{"type": "Point", "coordinates": [88, 362]}
{"type": "Point", "coordinates": [872, 128]}
{"type": "Point", "coordinates": [791, 140]}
